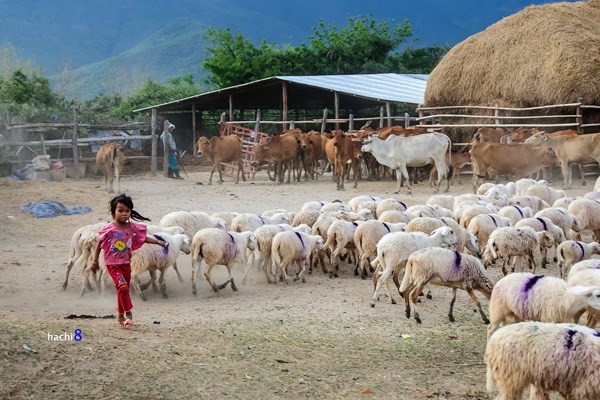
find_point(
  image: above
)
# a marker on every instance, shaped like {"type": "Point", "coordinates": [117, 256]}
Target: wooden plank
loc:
{"type": "Point", "coordinates": [154, 151]}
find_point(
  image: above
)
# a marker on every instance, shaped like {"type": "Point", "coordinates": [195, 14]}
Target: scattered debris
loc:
{"type": "Point", "coordinates": [87, 316]}
{"type": "Point", "coordinates": [29, 349]}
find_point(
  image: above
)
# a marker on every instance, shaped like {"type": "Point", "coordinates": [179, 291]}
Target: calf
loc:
{"type": "Point", "coordinates": [220, 149]}
{"type": "Point", "coordinates": [347, 151]}
{"type": "Point", "coordinates": [110, 159]}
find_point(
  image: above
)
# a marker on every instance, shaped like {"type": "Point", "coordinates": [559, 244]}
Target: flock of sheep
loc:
{"type": "Point", "coordinates": [450, 241]}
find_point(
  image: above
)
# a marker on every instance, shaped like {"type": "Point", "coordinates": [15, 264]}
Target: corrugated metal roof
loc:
{"type": "Point", "coordinates": [396, 88]}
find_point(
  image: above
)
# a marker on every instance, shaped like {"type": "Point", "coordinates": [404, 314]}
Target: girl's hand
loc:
{"type": "Point", "coordinates": [94, 266]}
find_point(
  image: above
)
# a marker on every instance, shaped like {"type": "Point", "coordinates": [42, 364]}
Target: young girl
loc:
{"type": "Point", "coordinates": [118, 239]}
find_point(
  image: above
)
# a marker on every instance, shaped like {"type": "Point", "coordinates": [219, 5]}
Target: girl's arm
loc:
{"type": "Point", "coordinates": [96, 255]}
{"type": "Point", "coordinates": [151, 240]}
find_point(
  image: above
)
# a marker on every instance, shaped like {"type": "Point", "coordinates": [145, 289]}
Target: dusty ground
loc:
{"type": "Point", "coordinates": [320, 339]}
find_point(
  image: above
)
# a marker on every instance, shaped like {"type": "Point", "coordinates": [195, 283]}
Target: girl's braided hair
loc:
{"type": "Point", "coordinates": [128, 202]}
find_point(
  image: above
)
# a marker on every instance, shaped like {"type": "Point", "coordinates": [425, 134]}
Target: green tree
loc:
{"type": "Point", "coordinates": [421, 61]}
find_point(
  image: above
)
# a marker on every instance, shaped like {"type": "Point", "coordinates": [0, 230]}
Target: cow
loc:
{"type": "Point", "coordinates": [346, 152]}
{"type": "Point", "coordinates": [518, 160]}
{"type": "Point", "coordinates": [416, 151]}
{"type": "Point", "coordinates": [280, 150]}
{"type": "Point", "coordinates": [518, 135]}
{"type": "Point", "coordinates": [569, 149]}
{"type": "Point", "coordinates": [110, 159]}
{"type": "Point", "coordinates": [220, 149]}
{"type": "Point", "coordinates": [455, 161]}
{"type": "Point", "coordinates": [310, 153]}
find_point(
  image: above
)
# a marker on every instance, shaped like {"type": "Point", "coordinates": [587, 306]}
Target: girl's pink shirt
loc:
{"type": "Point", "coordinates": [118, 243]}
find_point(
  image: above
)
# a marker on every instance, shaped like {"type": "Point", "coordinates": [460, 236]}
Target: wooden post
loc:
{"type": "Point", "coordinates": [230, 107]}
{"type": "Point", "coordinates": [381, 117]}
{"type": "Point", "coordinates": [336, 106]}
{"type": "Point", "coordinates": [284, 102]}
{"type": "Point", "coordinates": [257, 123]}
{"type": "Point", "coordinates": [43, 144]}
{"type": "Point", "coordinates": [324, 122]}
{"type": "Point", "coordinates": [167, 148]}
{"type": "Point", "coordinates": [496, 115]}
{"type": "Point", "coordinates": [154, 140]}
{"type": "Point", "coordinates": [421, 114]}
{"type": "Point", "coordinates": [194, 133]}
{"type": "Point", "coordinates": [292, 124]}
{"type": "Point", "coordinates": [388, 111]}
{"type": "Point", "coordinates": [579, 118]}
{"type": "Point", "coordinates": [406, 120]}
{"type": "Point", "coordinates": [351, 122]}
{"type": "Point", "coordinates": [74, 144]}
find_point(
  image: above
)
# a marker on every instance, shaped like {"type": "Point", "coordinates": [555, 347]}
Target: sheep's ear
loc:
{"type": "Point", "coordinates": [580, 290]}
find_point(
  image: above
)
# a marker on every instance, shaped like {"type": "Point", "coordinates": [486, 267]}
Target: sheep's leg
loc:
{"type": "Point", "coordinates": [177, 272]}
{"type": "Point", "coordinates": [150, 282]}
{"type": "Point", "coordinates": [544, 257]}
{"type": "Point", "coordinates": [335, 265]}
{"type": "Point", "coordinates": [451, 312]}
{"type": "Point", "coordinates": [136, 286]}
{"type": "Point", "coordinates": [414, 296]}
{"type": "Point", "coordinates": [478, 304]}
{"type": "Point", "coordinates": [196, 261]}
{"type": "Point", "coordinates": [249, 265]}
{"type": "Point", "coordinates": [207, 272]}
{"type": "Point", "coordinates": [504, 265]}
{"type": "Point", "coordinates": [162, 285]}
{"type": "Point", "coordinates": [379, 281]}
{"type": "Point", "coordinates": [67, 272]}
{"type": "Point", "coordinates": [302, 269]}
{"type": "Point", "coordinates": [410, 287]}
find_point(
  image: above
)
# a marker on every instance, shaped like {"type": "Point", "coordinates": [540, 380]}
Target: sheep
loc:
{"type": "Point", "coordinates": [563, 202]}
{"type": "Point", "coordinates": [587, 213]}
{"type": "Point", "coordinates": [561, 218]}
{"type": "Point", "coordinates": [493, 196]}
{"type": "Point", "coordinates": [334, 207]}
{"type": "Point", "coordinates": [393, 251]}
{"type": "Point", "coordinates": [366, 237]}
{"type": "Point", "coordinates": [535, 203]}
{"type": "Point", "coordinates": [525, 296]}
{"type": "Point", "coordinates": [509, 190]}
{"type": "Point", "coordinates": [313, 205]}
{"type": "Point", "coordinates": [597, 185]}
{"type": "Point", "coordinates": [522, 185]}
{"type": "Point", "coordinates": [191, 221]}
{"type": "Point", "coordinates": [308, 217]}
{"type": "Point", "coordinates": [440, 200]}
{"type": "Point", "coordinates": [226, 216]}
{"type": "Point", "coordinates": [152, 258]}
{"type": "Point", "coordinates": [393, 217]}
{"type": "Point", "coordinates": [515, 213]}
{"type": "Point", "coordinates": [592, 195]}
{"type": "Point", "coordinates": [216, 246]}
{"type": "Point", "coordinates": [546, 193]}
{"type": "Point", "coordinates": [483, 225]}
{"type": "Point", "coordinates": [540, 224]}
{"type": "Point", "coordinates": [549, 357]}
{"type": "Point", "coordinates": [249, 222]}
{"type": "Point", "coordinates": [422, 210]}
{"type": "Point", "coordinates": [171, 230]}
{"type": "Point", "coordinates": [466, 212]}
{"type": "Point", "coordinates": [586, 273]}
{"type": "Point", "coordinates": [464, 239]}
{"type": "Point", "coordinates": [355, 202]}
{"type": "Point", "coordinates": [572, 251]}
{"type": "Point", "coordinates": [293, 247]}
{"type": "Point", "coordinates": [444, 267]}
{"type": "Point", "coordinates": [340, 236]}
{"type": "Point", "coordinates": [83, 242]}
{"type": "Point", "coordinates": [390, 204]}
{"type": "Point", "coordinates": [510, 242]}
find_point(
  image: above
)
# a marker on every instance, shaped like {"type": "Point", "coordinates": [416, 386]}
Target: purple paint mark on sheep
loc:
{"type": "Point", "coordinates": [531, 283]}
{"type": "Point", "coordinates": [519, 210]}
{"type": "Point", "coordinates": [569, 339]}
{"type": "Point", "coordinates": [543, 223]}
{"type": "Point", "coordinates": [524, 297]}
{"type": "Point", "coordinates": [597, 334]}
{"type": "Point", "coordinates": [386, 227]}
{"type": "Point", "coordinates": [300, 237]}
{"type": "Point", "coordinates": [457, 259]}
{"type": "Point", "coordinates": [494, 220]}
{"type": "Point", "coordinates": [582, 250]}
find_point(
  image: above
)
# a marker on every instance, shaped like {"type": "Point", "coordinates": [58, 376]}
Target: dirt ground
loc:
{"type": "Point", "coordinates": [318, 339]}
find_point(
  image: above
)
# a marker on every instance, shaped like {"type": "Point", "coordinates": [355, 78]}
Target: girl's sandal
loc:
{"type": "Point", "coordinates": [128, 324]}
{"type": "Point", "coordinates": [121, 319]}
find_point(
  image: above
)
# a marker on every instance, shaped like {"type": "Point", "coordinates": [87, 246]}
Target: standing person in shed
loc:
{"type": "Point", "coordinates": [173, 171]}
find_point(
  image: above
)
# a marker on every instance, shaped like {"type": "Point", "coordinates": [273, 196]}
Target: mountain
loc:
{"type": "Point", "coordinates": [128, 39]}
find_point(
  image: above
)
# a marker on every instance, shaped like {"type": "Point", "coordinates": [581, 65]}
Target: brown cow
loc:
{"type": "Point", "coordinates": [310, 153]}
{"type": "Point", "coordinates": [518, 160]}
{"type": "Point", "coordinates": [570, 149]}
{"type": "Point", "coordinates": [281, 150]}
{"type": "Point", "coordinates": [489, 134]}
{"type": "Point", "coordinates": [220, 149]}
{"type": "Point", "coordinates": [455, 161]}
{"type": "Point", "coordinates": [518, 135]}
{"type": "Point", "coordinates": [347, 151]}
{"type": "Point", "coordinates": [110, 159]}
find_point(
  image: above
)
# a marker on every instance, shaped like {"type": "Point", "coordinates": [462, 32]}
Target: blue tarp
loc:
{"type": "Point", "coordinates": [53, 208]}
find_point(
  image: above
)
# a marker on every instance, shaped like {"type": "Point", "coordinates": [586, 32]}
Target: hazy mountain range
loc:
{"type": "Point", "coordinates": [101, 45]}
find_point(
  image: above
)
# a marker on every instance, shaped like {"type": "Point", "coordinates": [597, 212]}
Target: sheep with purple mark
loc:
{"type": "Point", "coordinates": [191, 221]}
{"type": "Point", "coordinates": [443, 267]}
{"type": "Point", "coordinates": [464, 239]}
{"type": "Point", "coordinates": [249, 222]}
{"type": "Point", "coordinates": [340, 236]}
{"type": "Point", "coordinates": [515, 213]}
{"type": "Point", "coordinates": [572, 251]}
{"type": "Point", "coordinates": [587, 213]}
{"type": "Point", "coordinates": [390, 204]}
{"type": "Point", "coordinates": [523, 296]}
{"type": "Point", "coordinates": [216, 246]}
{"type": "Point", "coordinates": [393, 217]}
{"type": "Point", "coordinates": [561, 218]}
{"type": "Point", "coordinates": [561, 358]}
{"type": "Point", "coordinates": [584, 273]}
{"type": "Point", "coordinates": [366, 237]}
{"type": "Point", "coordinates": [293, 248]}
{"type": "Point", "coordinates": [483, 225]}
{"type": "Point", "coordinates": [541, 224]}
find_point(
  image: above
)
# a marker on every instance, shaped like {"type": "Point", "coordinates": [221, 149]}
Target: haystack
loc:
{"type": "Point", "coordinates": [548, 54]}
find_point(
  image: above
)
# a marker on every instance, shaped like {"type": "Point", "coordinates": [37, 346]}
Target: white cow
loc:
{"type": "Point", "coordinates": [398, 152]}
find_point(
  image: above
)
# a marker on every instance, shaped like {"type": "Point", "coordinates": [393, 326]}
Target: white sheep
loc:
{"type": "Point", "coordinates": [597, 185]}
{"type": "Point", "coordinates": [545, 192]}
{"type": "Point", "coordinates": [522, 185]}
{"type": "Point", "coordinates": [393, 251]}
{"type": "Point", "coordinates": [83, 242]}
{"type": "Point", "coordinates": [510, 242]}
{"type": "Point", "coordinates": [153, 258]}
{"type": "Point", "coordinates": [586, 273]}
{"type": "Point", "coordinates": [464, 239]}
{"type": "Point", "coordinates": [493, 196]}
{"type": "Point", "coordinates": [390, 204]}
{"type": "Point", "coordinates": [366, 237]}
{"type": "Point", "coordinates": [334, 207]}
{"type": "Point", "coordinates": [587, 213]}
{"type": "Point", "coordinates": [308, 217]}
{"type": "Point", "coordinates": [191, 221]}
{"type": "Point", "coordinates": [535, 203]}
{"type": "Point", "coordinates": [355, 203]}
{"type": "Point", "coordinates": [443, 267]}
{"type": "Point", "coordinates": [340, 236]}
{"type": "Point", "coordinates": [365, 214]}
{"type": "Point", "coordinates": [572, 251]}
{"type": "Point", "coordinates": [540, 224]}
{"type": "Point", "coordinates": [550, 357]}
{"type": "Point", "coordinates": [592, 196]}
{"type": "Point", "coordinates": [483, 225]}
{"type": "Point", "coordinates": [216, 246]}
{"type": "Point", "coordinates": [394, 217]}
{"type": "Point", "coordinates": [249, 222]}
{"type": "Point", "coordinates": [509, 190]}
{"type": "Point", "coordinates": [226, 216]}
{"type": "Point", "coordinates": [441, 200]}
{"type": "Point", "coordinates": [422, 210]}
{"type": "Point", "coordinates": [293, 248]}
{"type": "Point", "coordinates": [523, 296]}
{"type": "Point", "coordinates": [563, 202]}
{"type": "Point", "coordinates": [561, 218]}
{"type": "Point", "coordinates": [515, 213]}
{"type": "Point", "coordinates": [466, 212]}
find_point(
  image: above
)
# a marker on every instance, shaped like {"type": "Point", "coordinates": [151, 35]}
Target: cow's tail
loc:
{"type": "Point", "coordinates": [449, 154]}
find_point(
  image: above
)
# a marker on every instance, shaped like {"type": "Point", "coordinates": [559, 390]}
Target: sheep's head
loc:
{"type": "Point", "coordinates": [185, 244]}
{"type": "Point", "coordinates": [473, 245]}
{"type": "Point", "coordinates": [592, 294]}
{"type": "Point", "coordinates": [251, 241]}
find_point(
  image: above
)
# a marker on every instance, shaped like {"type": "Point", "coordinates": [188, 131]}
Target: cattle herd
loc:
{"type": "Point", "coordinates": [524, 227]}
